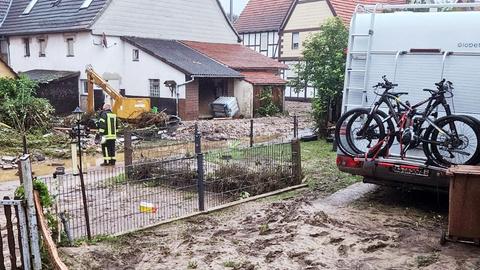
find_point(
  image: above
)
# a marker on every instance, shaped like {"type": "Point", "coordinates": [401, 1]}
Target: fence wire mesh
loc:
{"type": "Point", "coordinates": [164, 181]}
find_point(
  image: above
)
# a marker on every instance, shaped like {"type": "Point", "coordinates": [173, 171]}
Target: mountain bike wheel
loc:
{"type": "Point", "coordinates": [458, 142]}
{"type": "Point", "coordinates": [340, 132]}
{"type": "Point", "coordinates": [373, 131]}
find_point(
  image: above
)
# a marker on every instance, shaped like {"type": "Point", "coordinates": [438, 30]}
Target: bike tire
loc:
{"type": "Point", "coordinates": [433, 151]}
{"type": "Point", "coordinates": [376, 119]}
{"type": "Point", "coordinates": [340, 132]}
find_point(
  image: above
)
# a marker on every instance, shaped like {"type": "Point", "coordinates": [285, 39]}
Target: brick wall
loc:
{"type": "Point", "coordinates": [188, 108]}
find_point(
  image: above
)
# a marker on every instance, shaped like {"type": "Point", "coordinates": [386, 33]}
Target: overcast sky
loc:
{"type": "Point", "coordinates": [238, 5]}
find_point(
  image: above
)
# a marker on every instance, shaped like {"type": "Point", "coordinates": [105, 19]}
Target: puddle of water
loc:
{"type": "Point", "coordinates": [44, 168]}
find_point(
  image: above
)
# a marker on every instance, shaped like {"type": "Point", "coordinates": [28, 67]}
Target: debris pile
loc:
{"type": "Point", "coordinates": [148, 119]}
{"type": "Point", "coordinates": [8, 163]}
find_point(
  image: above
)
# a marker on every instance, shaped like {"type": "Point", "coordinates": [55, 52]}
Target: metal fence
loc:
{"type": "Point", "coordinates": [180, 179]}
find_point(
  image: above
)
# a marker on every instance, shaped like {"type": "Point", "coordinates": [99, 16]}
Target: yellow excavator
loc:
{"type": "Point", "coordinates": [125, 108]}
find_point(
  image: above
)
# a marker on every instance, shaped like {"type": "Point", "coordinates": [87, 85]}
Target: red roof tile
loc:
{"type": "Point", "coordinates": [345, 8]}
{"type": "Point", "coordinates": [263, 78]}
{"type": "Point", "coordinates": [236, 56]}
{"type": "Point", "coordinates": [263, 15]}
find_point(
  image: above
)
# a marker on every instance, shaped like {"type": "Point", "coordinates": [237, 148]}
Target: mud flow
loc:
{"type": "Point", "coordinates": [379, 229]}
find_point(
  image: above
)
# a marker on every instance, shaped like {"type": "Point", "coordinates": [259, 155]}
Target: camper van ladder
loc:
{"type": "Point", "coordinates": [351, 54]}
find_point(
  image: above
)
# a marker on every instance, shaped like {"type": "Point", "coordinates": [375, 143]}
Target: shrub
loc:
{"type": "Point", "coordinates": [267, 106]}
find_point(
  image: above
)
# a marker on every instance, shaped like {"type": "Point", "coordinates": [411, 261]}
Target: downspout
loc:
{"type": "Point", "coordinates": [177, 93]}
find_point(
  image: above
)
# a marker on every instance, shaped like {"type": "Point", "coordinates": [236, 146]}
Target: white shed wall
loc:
{"type": "Point", "coordinates": [243, 91]}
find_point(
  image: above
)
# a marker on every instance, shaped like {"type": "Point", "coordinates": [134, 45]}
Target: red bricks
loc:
{"type": "Point", "coordinates": [188, 107]}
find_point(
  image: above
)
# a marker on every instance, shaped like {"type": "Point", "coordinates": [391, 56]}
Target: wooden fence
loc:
{"type": "Point", "coordinates": [16, 250]}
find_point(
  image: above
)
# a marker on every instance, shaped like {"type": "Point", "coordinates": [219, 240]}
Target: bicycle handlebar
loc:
{"type": "Point", "coordinates": [386, 84]}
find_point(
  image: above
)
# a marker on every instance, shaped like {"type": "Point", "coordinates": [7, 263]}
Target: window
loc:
{"type": "Point", "coordinates": [42, 45]}
{"type": "Point", "coordinates": [70, 52]}
{"type": "Point", "coordinates": [264, 42]}
{"type": "Point", "coordinates": [135, 55]}
{"type": "Point", "coordinates": [84, 86]}
{"type": "Point", "coordinates": [29, 7]}
{"type": "Point", "coordinates": [154, 87]}
{"type": "Point", "coordinates": [26, 46]}
{"type": "Point", "coordinates": [86, 4]}
{"type": "Point", "coordinates": [295, 40]}
{"type": "Point", "coordinates": [4, 49]}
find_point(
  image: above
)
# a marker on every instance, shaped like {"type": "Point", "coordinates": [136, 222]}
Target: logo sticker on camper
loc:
{"type": "Point", "coordinates": [468, 45]}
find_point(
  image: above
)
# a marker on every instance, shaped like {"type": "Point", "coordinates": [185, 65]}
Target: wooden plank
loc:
{"type": "Point", "coordinates": [47, 237]}
{"type": "Point", "coordinates": [19, 234]}
{"type": "Point", "coordinates": [10, 235]}
{"type": "Point", "coordinates": [23, 235]}
{"type": "Point", "coordinates": [2, 259]}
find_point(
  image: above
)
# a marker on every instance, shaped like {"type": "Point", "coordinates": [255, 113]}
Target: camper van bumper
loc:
{"type": "Point", "coordinates": [394, 172]}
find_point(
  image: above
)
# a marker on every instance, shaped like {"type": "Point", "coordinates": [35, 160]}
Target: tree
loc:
{"type": "Point", "coordinates": [20, 109]}
{"type": "Point", "coordinates": [323, 67]}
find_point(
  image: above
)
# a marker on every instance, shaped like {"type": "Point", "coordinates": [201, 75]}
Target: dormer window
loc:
{"type": "Point", "coordinates": [29, 7]}
{"type": "Point", "coordinates": [86, 4]}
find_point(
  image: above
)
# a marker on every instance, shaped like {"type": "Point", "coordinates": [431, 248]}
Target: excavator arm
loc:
{"type": "Point", "coordinates": [126, 108]}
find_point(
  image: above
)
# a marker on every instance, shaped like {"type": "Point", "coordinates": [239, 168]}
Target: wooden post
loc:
{"type": "Point", "coordinates": [2, 258]}
{"type": "Point", "coordinates": [297, 161]}
{"type": "Point", "coordinates": [10, 234]}
{"type": "Point", "coordinates": [128, 153]}
{"type": "Point", "coordinates": [31, 213]}
{"type": "Point", "coordinates": [23, 236]}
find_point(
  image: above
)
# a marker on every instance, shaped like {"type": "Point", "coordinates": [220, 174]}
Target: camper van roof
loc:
{"type": "Point", "coordinates": [410, 7]}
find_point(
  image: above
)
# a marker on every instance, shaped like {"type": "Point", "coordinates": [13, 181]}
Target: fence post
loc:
{"type": "Point", "coordinates": [31, 213]}
{"type": "Point", "coordinates": [295, 126]}
{"type": "Point", "coordinates": [251, 132]}
{"type": "Point", "coordinates": [10, 234]}
{"type": "Point", "coordinates": [200, 170]}
{"type": "Point", "coordinates": [297, 161]}
{"type": "Point", "coordinates": [128, 152]}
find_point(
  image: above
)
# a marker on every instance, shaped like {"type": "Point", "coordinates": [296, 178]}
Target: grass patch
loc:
{"type": "Point", "coordinates": [424, 261]}
{"type": "Point", "coordinates": [320, 168]}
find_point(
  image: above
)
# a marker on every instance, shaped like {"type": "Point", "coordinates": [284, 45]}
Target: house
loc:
{"type": "Point", "coordinates": [302, 19]}
{"type": "Point", "coordinates": [6, 70]}
{"type": "Point", "coordinates": [260, 24]}
{"type": "Point", "coordinates": [136, 45]}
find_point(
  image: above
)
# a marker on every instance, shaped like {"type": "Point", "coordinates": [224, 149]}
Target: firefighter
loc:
{"type": "Point", "coordinates": [107, 127]}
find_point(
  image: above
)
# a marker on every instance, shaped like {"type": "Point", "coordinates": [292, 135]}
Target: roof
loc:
{"type": "Point", "coordinates": [182, 57]}
{"type": "Point", "coordinates": [8, 68]}
{"type": "Point", "coordinates": [263, 15]}
{"type": "Point", "coordinates": [47, 18]}
{"type": "Point", "coordinates": [47, 76]}
{"type": "Point", "coordinates": [4, 7]}
{"type": "Point", "coordinates": [345, 8]}
{"type": "Point", "coordinates": [236, 56]}
{"type": "Point", "coordinates": [262, 78]}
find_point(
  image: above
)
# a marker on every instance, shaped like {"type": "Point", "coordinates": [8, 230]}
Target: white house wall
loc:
{"type": "Point", "coordinates": [243, 91]}
{"type": "Point", "coordinates": [199, 20]}
{"type": "Point", "coordinates": [113, 63]}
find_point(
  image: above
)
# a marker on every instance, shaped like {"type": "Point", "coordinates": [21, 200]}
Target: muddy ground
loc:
{"type": "Point", "coordinates": [384, 229]}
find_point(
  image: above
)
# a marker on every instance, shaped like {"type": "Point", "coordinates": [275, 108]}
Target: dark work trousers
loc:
{"type": "Point", "coordinates": [108, 150]}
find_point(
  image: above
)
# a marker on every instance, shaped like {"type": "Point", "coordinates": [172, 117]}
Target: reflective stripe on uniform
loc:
{"type": "Point", "coordinates": [106, 157]}
{"type": "Point", "coordinates": [111, 126]}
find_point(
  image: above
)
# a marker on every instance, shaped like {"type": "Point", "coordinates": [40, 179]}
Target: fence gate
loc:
{"type": "Point", "coordinates": [13, 235]}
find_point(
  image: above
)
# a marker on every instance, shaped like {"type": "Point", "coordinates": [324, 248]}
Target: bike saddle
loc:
{"type": "Point", "coordinates": [397, 94]}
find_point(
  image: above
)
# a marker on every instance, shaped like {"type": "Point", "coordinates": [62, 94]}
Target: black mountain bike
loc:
{"type": "Point", "coordinates": [451, 139]}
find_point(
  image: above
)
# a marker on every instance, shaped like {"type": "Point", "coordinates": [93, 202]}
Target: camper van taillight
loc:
{"type": "Point", "coordinates": [348, 162]}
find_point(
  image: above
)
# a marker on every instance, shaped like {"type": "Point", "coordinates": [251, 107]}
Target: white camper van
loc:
{"type": "Point", "coordinates": [415, 46]}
